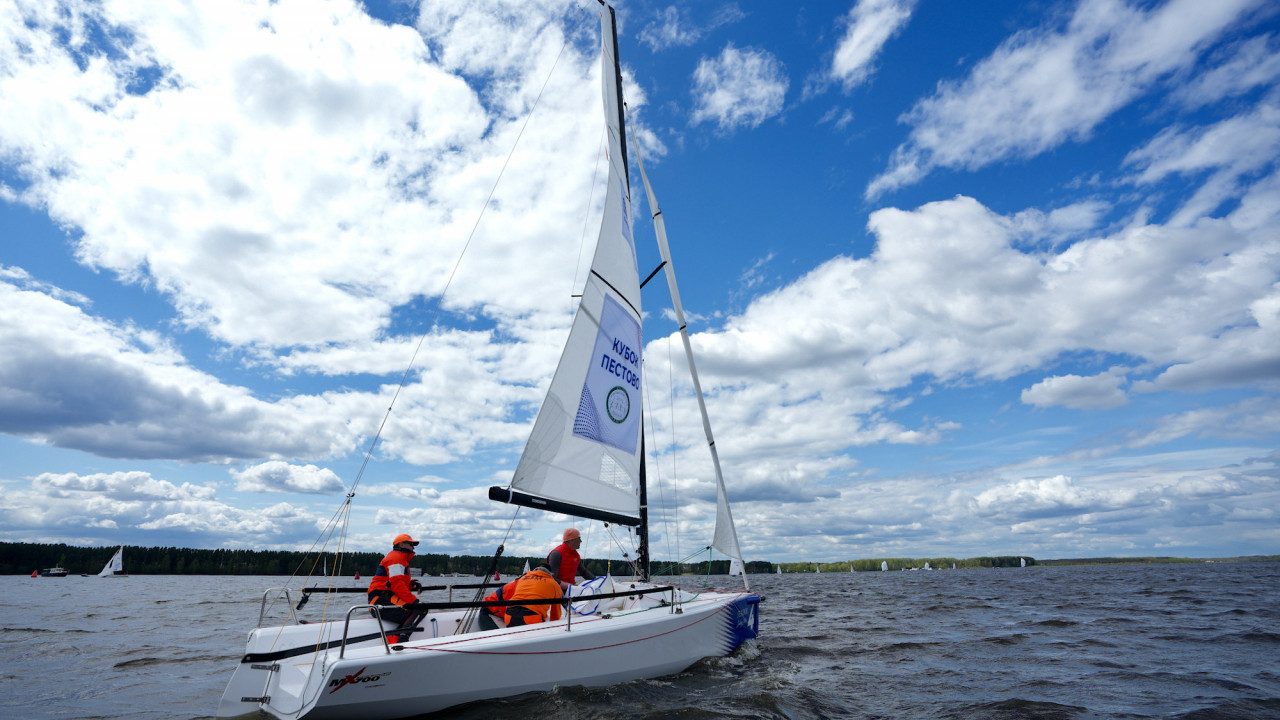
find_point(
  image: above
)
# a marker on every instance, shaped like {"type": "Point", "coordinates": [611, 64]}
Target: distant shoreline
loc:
{"type": "Point", "coordinates": [22, 558]}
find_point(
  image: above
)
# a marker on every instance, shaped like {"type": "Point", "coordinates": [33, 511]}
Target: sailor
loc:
{"type": "Point", "coordinates": [565, 562]}
{"type": "Point", "coordinates": [392, 587]}
{"type": "Point", "coordinates": [537, 584]}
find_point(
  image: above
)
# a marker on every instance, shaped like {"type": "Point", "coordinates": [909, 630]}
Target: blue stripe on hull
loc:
{"type": "Point", "coordinates": [740, 621]}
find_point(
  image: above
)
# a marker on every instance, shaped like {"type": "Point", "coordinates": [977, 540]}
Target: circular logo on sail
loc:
{"type": "Point", "coordinates": [618, 404]}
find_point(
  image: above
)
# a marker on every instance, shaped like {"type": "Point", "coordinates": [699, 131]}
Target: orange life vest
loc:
{"type": "Point", "coordinates": [391, 583]}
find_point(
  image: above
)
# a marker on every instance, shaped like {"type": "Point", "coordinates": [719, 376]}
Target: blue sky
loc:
{"type": "Point", "coordinates": [963, 278]}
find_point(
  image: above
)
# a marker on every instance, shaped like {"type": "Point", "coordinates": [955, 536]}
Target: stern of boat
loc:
{"type": "Point", "coordinates": [741, 622]}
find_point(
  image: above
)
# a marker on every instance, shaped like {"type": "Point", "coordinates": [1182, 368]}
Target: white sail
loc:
{"type": "Point", "coordinates": [585, 446]}
{"type": "Point", "coordinates": [884, 565]}
{"type": "Point", "coordinates": [114, 566]}
{"type": "Point", "coordinates": [1023, 561]}
{"type": "Point", "coordinates": [736, 568]}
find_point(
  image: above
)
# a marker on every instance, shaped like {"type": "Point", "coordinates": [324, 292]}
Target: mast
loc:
{"type": "Point", "coordinates": [642, 530]}
{"type": "Point", "coordinates": [617, 74]}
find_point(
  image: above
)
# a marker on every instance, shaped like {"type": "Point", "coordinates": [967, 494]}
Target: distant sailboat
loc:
{"type": "Point", "coordinates": [115, 566]}
{"type": "Point", "coordinates": [817, 569]}
{"type": "Point", "coordinates": [526, 566]}
{"type": "Point", "coordinates": [1023, 561]}
{"type": "Point", "coordinates": [884, 565]}
{"type": "Point", "coordinates": [926, 565]}
{"type": "Point", "coordinates": [779, 570]}
{"type": "Point", "coordinates": [736, 568]}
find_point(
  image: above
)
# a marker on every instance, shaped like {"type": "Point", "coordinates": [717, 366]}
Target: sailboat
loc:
{"type": "Point", "coordinates": [584, 458]}
{"type": "Point", "coordinates": [884, 565]}
{"type": "Point", "coordinates": [115, 566]}
{"type": "Point", "coordinates": [779, 570]}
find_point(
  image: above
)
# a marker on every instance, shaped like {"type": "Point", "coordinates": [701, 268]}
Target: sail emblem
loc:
{"type": "Point", "coordinates": [618, 404]}
{"type": "Point", "coordinates": [616, 358]}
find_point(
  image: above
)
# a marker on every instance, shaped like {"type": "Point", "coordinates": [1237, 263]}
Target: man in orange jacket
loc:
{"type": "Point", "coordinates": [393, 588]}
{"type": "Point", "coordinates": [537, 584]}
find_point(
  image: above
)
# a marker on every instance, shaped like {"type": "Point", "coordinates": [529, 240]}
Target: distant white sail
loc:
{"type": "Point", "coordinates": [736, 568]}
{"type": "Point", "coordinates": [884, 565]}
{"type": "Point", "coordinates": [1023, 561]}
{"type": "Point", "coordinates": [114, 566]}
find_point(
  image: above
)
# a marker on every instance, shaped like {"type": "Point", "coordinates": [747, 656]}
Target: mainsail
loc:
{"type": "Point", "coordinates": [114, 566]}
{"type": "Point", "coordinates": [584, 455]}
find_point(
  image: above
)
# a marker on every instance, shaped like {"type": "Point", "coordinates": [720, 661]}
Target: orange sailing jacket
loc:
{"type": "Point", "coordinates": [537, 584]}
{"type": "Point", "coordinates": [391, 583]}
{"type": "Point", "coordinates": [502, 593]}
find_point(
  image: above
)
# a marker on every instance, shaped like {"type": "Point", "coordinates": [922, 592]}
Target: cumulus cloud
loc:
{"type": "Point", "coordinates": [955, 293]}
{"type": "Point", "coordinates": [1099, 392]}
{"type": "Point", "coordinates": [1047, 86]}
{"type": "Point", "coordinates": [871, 24]}
{"type": "Point", "coordinates": [99, 507]}
{"type": "Point", "coordinates": [738, 88]}
{"type": "Point", "coordinates": [279, 476]}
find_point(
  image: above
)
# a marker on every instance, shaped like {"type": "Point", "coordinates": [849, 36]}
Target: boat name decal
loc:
{"type": "Point", "coordinates": [355, 678]}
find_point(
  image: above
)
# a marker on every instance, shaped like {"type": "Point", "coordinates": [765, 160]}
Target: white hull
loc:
{"type": "Point", "coordinates": [427, 674]}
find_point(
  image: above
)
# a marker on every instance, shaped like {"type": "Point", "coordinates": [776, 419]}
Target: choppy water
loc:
{"type": "Point", "coordinates": [1193, 641]}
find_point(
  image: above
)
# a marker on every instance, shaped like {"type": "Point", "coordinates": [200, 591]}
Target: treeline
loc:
{"type": "Point", "coordinates": [1157, 560]}
{"type": "Point", "coordinates": [22, 558]}
{"type": "Point", "coordinates": [939, 563]}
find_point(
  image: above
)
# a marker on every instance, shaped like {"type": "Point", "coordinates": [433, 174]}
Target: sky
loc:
{"type": "Point", "coordinates": [962, 278]}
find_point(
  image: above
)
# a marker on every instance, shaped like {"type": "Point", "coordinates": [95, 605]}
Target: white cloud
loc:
{"type": "Point", "coordinates": [279, 476]}
{"type": "Point", "coordinates": [738, 88]}
{"type": "Point", "coordinates": [1100, 392]}
{"type": "Point", "coordinates": [69, 507]}
{"type": "Point", "coordinates": [871, 24]}
{"type": "Point", "coordinates": [957, 294]}
{"type": "Point", "coordinates": [1251, 63]}
{"type": "Point", "coordinates": [1048, 86]}
{"type": "Point", "coordinates": [296, 171]}
{"type": "Point", "coordinates": [673, 26]}
{"type": "Point", "coordinates": [1230, 150]}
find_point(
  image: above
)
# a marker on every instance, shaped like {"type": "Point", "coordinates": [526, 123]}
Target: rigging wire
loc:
{"type": "Point", "coordinates": [344, 510]}
{"type": "Point", "coordinates": [457, 264]}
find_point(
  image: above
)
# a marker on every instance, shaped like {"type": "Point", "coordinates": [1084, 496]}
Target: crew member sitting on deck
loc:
{"type": "Point", "coordinates": [565, 562]}
{"type": "Point", "coordinates": [537, 584]}
{"type": "Point", "coordinates": [392, 588]}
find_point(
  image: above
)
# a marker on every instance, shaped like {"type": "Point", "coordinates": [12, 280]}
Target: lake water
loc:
{"type": "Point", "coordinates": [1190, 641]}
